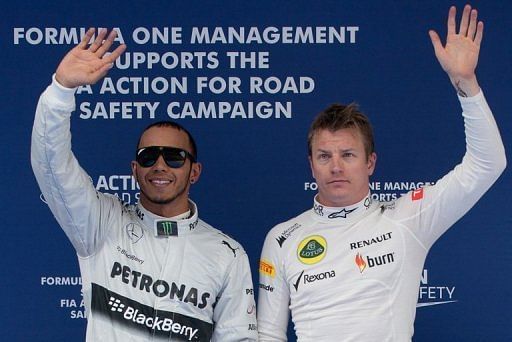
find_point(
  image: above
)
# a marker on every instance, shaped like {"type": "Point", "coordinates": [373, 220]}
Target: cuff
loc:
{"type": "Point", "coordinates": [472, 99]}
{"type": "Point", "coordinates": [60, 93]}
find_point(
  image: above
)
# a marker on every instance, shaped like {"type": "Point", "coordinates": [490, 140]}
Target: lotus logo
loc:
{"type": "Point", "coordinates": [312, 249]}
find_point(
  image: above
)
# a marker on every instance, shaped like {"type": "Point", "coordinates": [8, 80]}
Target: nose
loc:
{"type": "Point", "coordinates": [336, 165]}
{"type": "Point", "coordinates": [160, 163]}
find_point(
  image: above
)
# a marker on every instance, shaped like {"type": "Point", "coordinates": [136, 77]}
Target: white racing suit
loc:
{"type": "Point", "coordinates": [353, 274]}
{"type": "Point", "coordinates": [145, 278]}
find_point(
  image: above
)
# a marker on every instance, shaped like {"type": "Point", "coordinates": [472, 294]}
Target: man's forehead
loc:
{"type": "Point", "coordinates": [344, 135]}
{"type": "Point", "coordinates": [164, 136]}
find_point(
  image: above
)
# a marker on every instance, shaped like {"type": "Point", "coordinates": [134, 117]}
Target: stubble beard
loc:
{"type": "Point", "coordinates": [162, 201]}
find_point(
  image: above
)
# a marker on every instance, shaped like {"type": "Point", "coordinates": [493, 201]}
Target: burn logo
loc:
{"type": "Point", "coordinates": [369, 262]}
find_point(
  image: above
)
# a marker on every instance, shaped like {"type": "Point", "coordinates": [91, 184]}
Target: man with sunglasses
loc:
{"type": "Point", "coordinates": [152, 271]}
{"type": "Point", "coordinates": [349, 269]}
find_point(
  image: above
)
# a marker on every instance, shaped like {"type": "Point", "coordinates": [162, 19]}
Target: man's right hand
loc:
{"type": "Point", "coordinates": [86, 64]}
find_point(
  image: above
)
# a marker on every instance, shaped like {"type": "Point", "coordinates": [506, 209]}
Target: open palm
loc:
{"type": "Point", "coordinates": [459, 57]}
{"type": "Point", "coordinates": [87, 64]}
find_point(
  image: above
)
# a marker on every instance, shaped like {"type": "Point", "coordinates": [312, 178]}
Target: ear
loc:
{"type": "Point", "coordinates": [311, 166]}
{"type": "Point", "coordinates": [134, 168]}
{"type": "Point", "coordinates": [195, 172]}
{"type": "Point", "coordinates": [372, 161]}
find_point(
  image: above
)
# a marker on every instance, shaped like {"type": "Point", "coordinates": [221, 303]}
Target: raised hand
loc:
{"type": "Point", "coordinates": [459, 57]}
{"type": "Point", "coordinates": [86, 64]}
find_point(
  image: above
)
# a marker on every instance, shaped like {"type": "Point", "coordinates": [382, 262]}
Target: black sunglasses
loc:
{"type": "Point", "coordinates": [174, 157]}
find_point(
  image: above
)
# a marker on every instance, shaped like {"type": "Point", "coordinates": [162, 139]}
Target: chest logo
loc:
{"type": "Point", "coordinates": [363, 262]}
{"type": "Point", "coordinates": [134, 232]}
{"type": "Point", "coordinates": [312, 249]}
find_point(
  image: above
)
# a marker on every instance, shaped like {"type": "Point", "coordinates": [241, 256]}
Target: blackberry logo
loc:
{"type": "Point", "coordinates": [116, 305]}
{"type": "Point", "coordinates": [144, 320]}
{"type": "Point", "coordinates": [152, 321]}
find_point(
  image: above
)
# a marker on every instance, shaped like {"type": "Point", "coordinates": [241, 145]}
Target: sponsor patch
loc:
{"type": "Point", "coordinates": [134, 232]}
{"type": "Point", "coordinates": [266, 287]}
{"type": "Point", "coordinates": [224, 242]}
{"type": "Point", "coordinates": [146, 320]}
{"type": "Point", "coordinates": [417, 194]}
{"type": "Point", "coordinates": [286, 234]}
{"type": "Point", "coordinates": [312, 249]}
{"type": "Point", "coordinates": [373, 261]}
{"type": "Point", "coordinates": [341, 214]}
{"type": "Point", "coordinates": [360, 262]}
{"type": "Point", "coordinates": [267, 268]}
{"type": "Point", "coordinates": [166, 228]}
{"type": "Point", "coordinates": [311, 278]}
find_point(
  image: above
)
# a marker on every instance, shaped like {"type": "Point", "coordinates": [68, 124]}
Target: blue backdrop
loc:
{"type": "Point", "coordinates": [255, 168]}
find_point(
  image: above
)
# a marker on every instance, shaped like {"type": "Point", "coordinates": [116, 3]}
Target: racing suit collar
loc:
{"type": "Point", "coordinates": [165, 226]}
{"type": "Point", "coordinates": [341, 214]}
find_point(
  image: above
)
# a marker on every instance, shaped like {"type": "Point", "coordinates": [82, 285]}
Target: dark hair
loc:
{"type": "Point", "coordinates": [174, 125]}
{"type": "Point", "coordinates": [338, 116]}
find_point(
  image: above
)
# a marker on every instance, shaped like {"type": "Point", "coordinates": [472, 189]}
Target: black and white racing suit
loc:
{"type": "Point", "coordinates": [353, 274]}
{"type": "Point", "coordinates": [145, 277]}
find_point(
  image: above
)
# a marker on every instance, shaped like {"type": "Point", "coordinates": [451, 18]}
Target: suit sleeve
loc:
{"type": "Point", "coordinates": [235, 310]}
{"type": "Point", "coordinates": [430, 211]}
{"type": "Point", "coordinates": [66, 187]}
{"type": "Point", "coordinates": [274, 293]}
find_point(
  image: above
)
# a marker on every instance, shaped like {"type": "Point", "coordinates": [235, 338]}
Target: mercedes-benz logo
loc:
{"type": "Point", "coordinates": [134, 231]}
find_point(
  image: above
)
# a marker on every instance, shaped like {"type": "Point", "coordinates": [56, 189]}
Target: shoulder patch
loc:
{"type": "Point", "coordinates": [417, 194]}
{"type": "Point", "coordinates": [267, 268]}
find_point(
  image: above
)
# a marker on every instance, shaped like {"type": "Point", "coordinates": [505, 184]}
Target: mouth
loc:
{"type": "Point", "coordinates": [160, 182]}
{"type": "Point", "coordinates": [338, 181]}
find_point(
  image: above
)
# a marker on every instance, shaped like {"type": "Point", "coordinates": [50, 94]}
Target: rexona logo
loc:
{"type": "Point", "coordinates": [312, 249]}
{"type": "Point", "coordinates": [311, 278]}
{"type": "Point", "coordinates": [362, 262]}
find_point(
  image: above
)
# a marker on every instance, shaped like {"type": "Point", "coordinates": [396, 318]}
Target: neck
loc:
{"type": "Point", "coordinates": [170, 209]}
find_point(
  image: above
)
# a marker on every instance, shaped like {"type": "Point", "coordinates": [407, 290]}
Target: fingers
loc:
{"type": "Point", "coordinates": [111, 58]}
{"type": "Point", "coordinates": [86, 38]}
{"type": "Point", "coordinates": [106, 44]}
{"type": "Point", "coordinates": [479, 33]}
{"type": "Point", "coordinates": [451, 20]}
{"type": "Point", "coordinates": [469, 25]}
{"type": "Point", "coordinates": [464, 21]}
{"type": "Point", "coordinates": [98, 41]}
{"type": "Point", "coordinates": [472, 24]}
{"type": "Point", "coordinates": [436, 42]}
{"type": "Point", "coordinates": [100, 73]}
